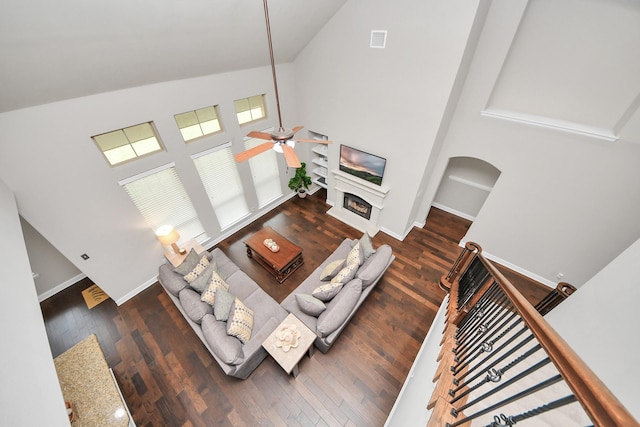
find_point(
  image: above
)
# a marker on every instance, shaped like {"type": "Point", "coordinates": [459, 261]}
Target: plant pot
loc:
{"type": "Point", "coordinates": [302, 193]}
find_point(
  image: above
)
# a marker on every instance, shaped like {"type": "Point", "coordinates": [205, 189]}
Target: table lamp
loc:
{"type": "Point", "coordinates": [168, 236]}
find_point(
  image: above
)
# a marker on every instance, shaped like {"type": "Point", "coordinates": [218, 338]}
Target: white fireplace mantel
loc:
{"type": "Point", "coordinates": [373, 194]}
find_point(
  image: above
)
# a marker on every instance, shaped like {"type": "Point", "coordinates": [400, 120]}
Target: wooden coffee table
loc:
{"type": "Point", "coordinates": [289, 359]}
{"type": "Point", "coordinates": [280, 264]}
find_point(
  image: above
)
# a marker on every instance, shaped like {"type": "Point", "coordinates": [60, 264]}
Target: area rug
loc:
{"type": "Point", "coordinates": [93, 296]}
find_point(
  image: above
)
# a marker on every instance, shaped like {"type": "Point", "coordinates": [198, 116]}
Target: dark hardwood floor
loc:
{"type": "Point", "coordinates": [169, 379]}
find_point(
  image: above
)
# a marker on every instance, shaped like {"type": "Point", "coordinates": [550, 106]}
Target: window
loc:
{"type": "Point", "coordinates": [250, 109]}
{"type": "Point", "coordinates": [128, 143]}
{"type": "Point", "coordinates": [219, 174]}
{"type": "Point", "coordinates": [161, 199]}
{"type": "Point", "coordinates": [198, 123]}
{"type": "Point", "coordinates": [265, 173]}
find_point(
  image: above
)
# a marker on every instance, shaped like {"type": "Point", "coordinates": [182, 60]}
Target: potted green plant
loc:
{"type": "Point", "coordinates": [300, 181]}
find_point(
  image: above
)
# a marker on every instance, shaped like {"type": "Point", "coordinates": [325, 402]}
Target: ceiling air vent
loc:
{"type": "Point", "coordinates": [378, 39]}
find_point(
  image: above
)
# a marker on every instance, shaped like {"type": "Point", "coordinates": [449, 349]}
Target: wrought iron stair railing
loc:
{"type": "Point", "coordinates": [501, 363]}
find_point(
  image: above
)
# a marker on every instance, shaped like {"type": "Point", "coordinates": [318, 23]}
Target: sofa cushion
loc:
{"type": "Point", "coordinates": [171, 281]}
{"type": "Point", "coordinates": [197, 270]}
{"type": "Point", "coordinates": [222, 304]}
{"type": "Point", "coordinates": [189, 263]}
{"type": "Point", "coordinates": [191, 304]}
{"type": "Point", "coordinates": [366, 245]}
{"type": "Point", "coordinates": [310, 305]}
{"type": "Point", "coordinates": [356, 255]}
{"type": "Point", "coordinates": [216, 282]}
{"type": "Point", "coordinates": [331, 269]}
{"type": "Point", "coordinates": [339, 309]}
{"type": "Point", "coordinates": [240, 322]}
{"type": "Point", "coordinates": [241, 285]}
{"type": "Point", "coordinates": [374, 266]}
{"type": "Point", "coordinates": [225, 347]}
{"type": "Point", "coordinates": [226, 267]}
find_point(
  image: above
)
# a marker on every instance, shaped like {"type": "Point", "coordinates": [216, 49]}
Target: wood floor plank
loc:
{"type": "Point", "coordinates": [168, 377]}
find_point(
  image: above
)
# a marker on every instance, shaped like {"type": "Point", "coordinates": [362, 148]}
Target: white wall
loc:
{"type": "Point", "coordinates": [66, 190]}
{"type": "Point", "coordinates": [30, 392]}
{"type": "Point", "coordinates": [391, 101]}
{"type": "Point", "coordinates": [565, 202]}
{"type": "Point", "coordinates": [599, 322]}
{"type": "Point", "coordinates": [52, 270]}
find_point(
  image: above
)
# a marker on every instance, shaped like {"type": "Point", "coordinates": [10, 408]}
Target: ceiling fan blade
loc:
{"type": "Point", "coordinates": [247, 154]}
{"type": "Point", "coordinates": [296, 129]}
{"type": "Point", "coordinates": [317, 141]}
{"type": "Point", "coordinates": [290, 156]}
{"type": "Point", "coordinates": [259, 135]}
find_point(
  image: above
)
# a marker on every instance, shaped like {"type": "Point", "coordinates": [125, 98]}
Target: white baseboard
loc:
{"type": "Point", "coordinates": [515, 268]}
{"type": "Point", "coordinates": [453, 211]}
{"type": "Point", "coordinates": [61, 287]}
{"type": "Point", "coordinates": [136, 291]}
{"type": "Point", "coordinates": [392, 234]}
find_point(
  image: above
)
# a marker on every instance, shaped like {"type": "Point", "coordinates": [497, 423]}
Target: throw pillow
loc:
{"type": "Point", "coordinates": [331, 269]}
{"type": "Point", "coordinates": [366, 245]}
{"type": "Point", "coordinates": [240, 321]}
{"type": "Point", "coordinates": [356, 255]}
{"type": "Point", "coordinates": [222, 304]}
{"type": "Point", "coordinates": [197, 270]}
{"type": "Point", "coordinates": [327, 291]}
{"type": "Point", "coordinates": [347, 273]}
{"type": "Point", "coordinates": [216, 282]}
{"type": "Point", "coordinates": [189, 262]}
{"type": "Point", "coordinates": [310, 305]}
{"type": "Point", "coordinates": [201, 282]}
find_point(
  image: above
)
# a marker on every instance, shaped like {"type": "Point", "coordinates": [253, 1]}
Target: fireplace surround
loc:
{"type": "Point", "coordinates": [358, 203]}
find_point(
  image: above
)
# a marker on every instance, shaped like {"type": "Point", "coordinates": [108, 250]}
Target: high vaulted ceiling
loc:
{"type": "Point", "coordinates": [55, 50]}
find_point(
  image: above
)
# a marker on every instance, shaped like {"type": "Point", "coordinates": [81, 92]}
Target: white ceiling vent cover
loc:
{"type": "Point", "coordinates": [378, 39]}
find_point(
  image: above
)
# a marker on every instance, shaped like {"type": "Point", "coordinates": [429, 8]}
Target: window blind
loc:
{"type": "Point", "coordinates": [219, 174]}
{"type": "Point", "coordinates": [265, 173]}
{"type": "Point", "coordinates": [161, 199]}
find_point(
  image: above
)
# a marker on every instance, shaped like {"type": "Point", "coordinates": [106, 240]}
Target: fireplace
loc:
{"type": "Point", "coordinates": [357, 205]}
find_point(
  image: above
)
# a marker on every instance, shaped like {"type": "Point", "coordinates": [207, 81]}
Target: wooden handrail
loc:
{"type": "Point", "coordinates": [599, 403]}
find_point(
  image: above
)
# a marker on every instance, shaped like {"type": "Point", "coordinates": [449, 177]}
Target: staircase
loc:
{"type": "Point", "coordinates": [500, 363]}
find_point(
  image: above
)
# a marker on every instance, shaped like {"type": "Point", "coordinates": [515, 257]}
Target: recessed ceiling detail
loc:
{"type": "Point", "coordinates": [584, 81]}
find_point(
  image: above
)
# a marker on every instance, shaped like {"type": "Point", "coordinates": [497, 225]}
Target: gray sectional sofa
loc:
{"type": "Point", "coordinates": [331, 321]}
{"type": "Point", "coordinates": [239, 360]}
{"type": "Point", "coordinates": [235, 359]}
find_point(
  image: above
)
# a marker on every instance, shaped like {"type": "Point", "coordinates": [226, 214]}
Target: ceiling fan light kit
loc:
{"type": "Point", "coordinates": [281, 139]}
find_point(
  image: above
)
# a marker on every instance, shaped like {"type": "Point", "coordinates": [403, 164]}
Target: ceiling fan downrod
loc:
{"type": "Point", "coordinates": [281, 131]}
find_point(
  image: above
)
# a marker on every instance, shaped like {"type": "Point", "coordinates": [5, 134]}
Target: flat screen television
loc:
{"type": "Point", "coordinates": [363, 165]}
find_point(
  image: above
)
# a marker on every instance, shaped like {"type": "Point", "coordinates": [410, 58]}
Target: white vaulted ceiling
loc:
{"type": "Point", "coordinates": [55, 50]}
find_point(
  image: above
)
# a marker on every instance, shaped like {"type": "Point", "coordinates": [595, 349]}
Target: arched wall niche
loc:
{"type": "Point", "coordinates": [465, 186]}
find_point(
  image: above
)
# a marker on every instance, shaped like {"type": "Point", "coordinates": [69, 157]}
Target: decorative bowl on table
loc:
{"type": "Point", "coordinates": [287, 337]}
{"type": "Point", "coordinates": [271, 245]}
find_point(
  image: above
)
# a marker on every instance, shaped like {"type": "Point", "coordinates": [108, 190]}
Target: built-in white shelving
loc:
{"type": "Point", "coordinates": [320, 160]}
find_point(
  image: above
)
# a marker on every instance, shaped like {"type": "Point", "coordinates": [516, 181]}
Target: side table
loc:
{"type": "Point", "coordinates": [176, 259]}
{"type": "Point", "coordinates": [289, 359]}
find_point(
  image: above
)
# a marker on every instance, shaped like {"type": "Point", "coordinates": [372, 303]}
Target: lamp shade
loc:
{"type": "Point", "coordinates": [167, 235]}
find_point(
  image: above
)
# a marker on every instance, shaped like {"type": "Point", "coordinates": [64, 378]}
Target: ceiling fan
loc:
{"type": "Point", "coordinates": [280, 140]}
